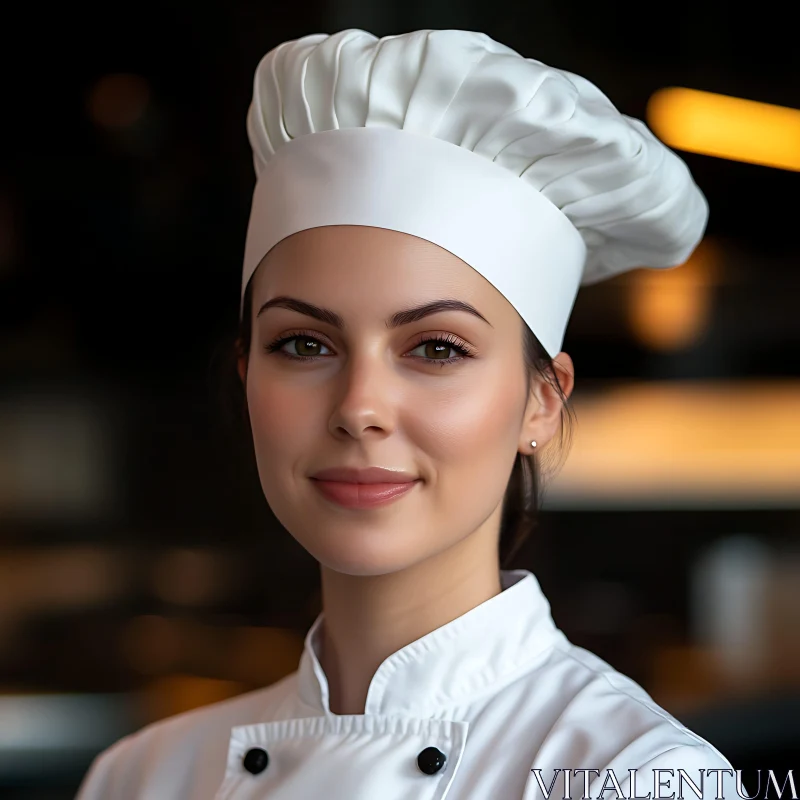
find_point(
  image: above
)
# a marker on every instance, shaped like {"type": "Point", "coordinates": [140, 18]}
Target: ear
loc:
{"type": "Point", "coordinates": [543, 413]}
{"type": "Point", "coordinates": [241, 362]}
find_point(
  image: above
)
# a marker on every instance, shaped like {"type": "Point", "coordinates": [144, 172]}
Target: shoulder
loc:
{"type": "Point", "coordinates": [161, 753]}
{"type": "Point", "coordinates": [611, 719]}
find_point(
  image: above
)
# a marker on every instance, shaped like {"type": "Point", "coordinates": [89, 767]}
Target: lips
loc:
{"type": "Point", "coordinates": [366, 475]}
{"type": "Point", "coordinates": [363, 495]}
{"type": "Point", "coordinates": [365, 487]}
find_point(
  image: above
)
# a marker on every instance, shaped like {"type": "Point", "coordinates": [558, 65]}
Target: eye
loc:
{"type": "Point", "coordinates": [436, 349]}
{"type": "Point", "coordinates": [306, 347]}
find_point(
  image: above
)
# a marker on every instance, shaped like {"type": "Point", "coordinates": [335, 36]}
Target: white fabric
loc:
{"type": "Point", "coordinates": [500, 691]}
{"type": "Point", "coordinates": [535, 148]}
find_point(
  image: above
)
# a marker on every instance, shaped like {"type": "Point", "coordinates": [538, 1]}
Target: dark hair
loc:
{"type": "Point", "coordinates": [524, 493]}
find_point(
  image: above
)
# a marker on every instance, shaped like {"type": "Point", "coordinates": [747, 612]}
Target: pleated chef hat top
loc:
{"type": "Point", "coordinates": [527, 173]}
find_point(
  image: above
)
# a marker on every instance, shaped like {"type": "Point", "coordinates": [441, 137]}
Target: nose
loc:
{"type": "Point", "coordinates": [363, 398]}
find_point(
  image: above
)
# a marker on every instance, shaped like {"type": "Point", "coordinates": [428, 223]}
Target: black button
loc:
{"type": "Point", "coordinates": [431, 760]}
{"type": "Point", "coordinates": [256, 760]}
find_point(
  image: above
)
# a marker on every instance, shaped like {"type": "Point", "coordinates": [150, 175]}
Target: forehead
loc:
{"type": "Point", "coordinates": [359, 267]}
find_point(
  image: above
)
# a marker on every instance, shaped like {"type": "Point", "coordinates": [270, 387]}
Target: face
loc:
{"type": "Point", "coordinates": [453, 411]}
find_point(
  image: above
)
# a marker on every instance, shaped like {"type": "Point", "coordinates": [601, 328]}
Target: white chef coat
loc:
{"type": "Point", "coordinates": [500, 692]}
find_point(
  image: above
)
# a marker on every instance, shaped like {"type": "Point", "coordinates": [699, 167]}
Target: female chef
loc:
{"type": "Point", "coordinates": [426, 208]}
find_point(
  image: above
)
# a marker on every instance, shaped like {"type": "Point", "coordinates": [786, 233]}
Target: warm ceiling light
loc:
{"type": "Point", "coordinates": [692, 444]}
{"type": "Point", "coordinates": [669, 309]}
{"type": "Point", "coordinates": [726, 127]}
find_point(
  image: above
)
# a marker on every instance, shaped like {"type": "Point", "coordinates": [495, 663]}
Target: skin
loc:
{"type": "Point", "coordinates": [392, 574]}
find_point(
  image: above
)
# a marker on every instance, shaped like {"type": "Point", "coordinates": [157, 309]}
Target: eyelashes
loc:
{"type": "Point", "coordinates": [448, 340]}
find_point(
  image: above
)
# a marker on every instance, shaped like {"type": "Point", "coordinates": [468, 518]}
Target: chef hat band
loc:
{"type": "Point", "coordinates": [526, 172]}
{"type": "Point", "coordinates": [383, 178]}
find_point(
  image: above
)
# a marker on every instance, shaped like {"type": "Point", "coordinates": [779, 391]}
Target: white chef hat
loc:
{"type": "Point", "coordinates": [526, 172]}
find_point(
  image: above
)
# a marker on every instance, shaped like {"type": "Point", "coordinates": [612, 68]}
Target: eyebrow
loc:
{"type": "Point", "coordinates": [395, 321]}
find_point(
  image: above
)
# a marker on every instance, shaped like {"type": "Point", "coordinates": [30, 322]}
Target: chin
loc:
{"type": "Point", "coordinates": [382, 541]}
{"type": "Point", "coordinates": [373, 552]}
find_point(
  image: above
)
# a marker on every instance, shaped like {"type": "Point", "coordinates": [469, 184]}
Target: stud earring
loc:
{"type": "Point", "coordinates": [533, 444]}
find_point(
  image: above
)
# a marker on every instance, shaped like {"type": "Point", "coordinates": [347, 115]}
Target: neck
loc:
{"type": "Point", "coordinates": [369, 617]}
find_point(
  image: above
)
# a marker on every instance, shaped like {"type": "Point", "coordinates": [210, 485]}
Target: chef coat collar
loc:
{"type": "Point", "coordinates": [487, 646]}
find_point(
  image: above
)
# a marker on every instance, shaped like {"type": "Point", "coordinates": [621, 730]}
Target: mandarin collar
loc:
{"type": "Point", "coordinates": [474, 653]}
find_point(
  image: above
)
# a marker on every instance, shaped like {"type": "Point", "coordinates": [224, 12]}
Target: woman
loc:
{"type": "Point", "coordinates": [426, 208]}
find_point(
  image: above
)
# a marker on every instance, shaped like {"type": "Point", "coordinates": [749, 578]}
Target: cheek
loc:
{"type": "Point", "coordinates": [469, 439]}
{"type": "Point", "coordinates": [476, 421]}
{"type": "Point", "coordinates": [281, 417]}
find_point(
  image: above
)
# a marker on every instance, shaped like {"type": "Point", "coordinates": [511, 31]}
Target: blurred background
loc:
{"type": "Point", "coordinates": [141, 572]}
